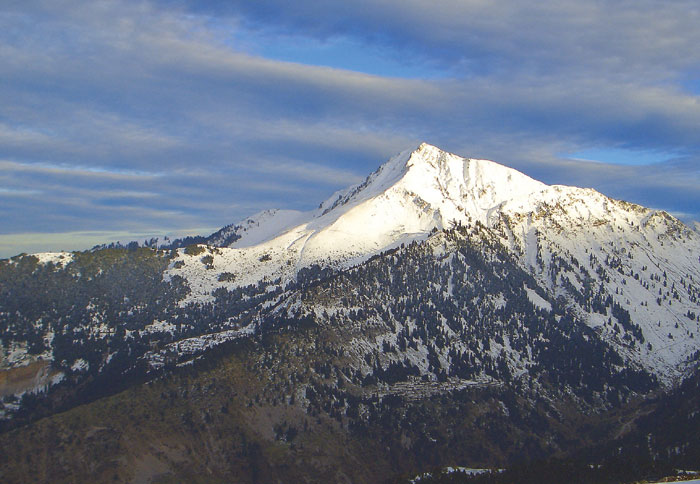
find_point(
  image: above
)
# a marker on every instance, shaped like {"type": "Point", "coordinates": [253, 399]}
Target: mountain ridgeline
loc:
{"type": "Point", "coordinates": [444, 312]}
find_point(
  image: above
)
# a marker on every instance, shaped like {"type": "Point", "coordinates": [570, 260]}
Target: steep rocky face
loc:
{"type": "Point", "coordinates": [632, 273]}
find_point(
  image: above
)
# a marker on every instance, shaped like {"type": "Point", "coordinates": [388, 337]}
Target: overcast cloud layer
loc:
{"type": "Point", "coordinates": [128, 119]}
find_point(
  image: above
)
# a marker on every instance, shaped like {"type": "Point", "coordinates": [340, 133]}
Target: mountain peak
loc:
{"type": "Point", "coordinates": [461, 187]}
{"type": "Point", "coordinates": [426, 153]}
{"type": "Point", "coordinates": [406, 198]}
{"type": "Point", "coordinates": [426, 148]}
{"type": "Point", "coordinates": [423, 154]}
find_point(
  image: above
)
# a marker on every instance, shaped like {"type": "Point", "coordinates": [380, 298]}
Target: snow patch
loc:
{"type": "Point", "coordinates": [467, 471]}
{"type": "Point", "coordinates": [159, 327]}
{"type": "Point", "coordinates": [537, 300]}
{"type": "Point", "coordinates": [60, 259]}
{"type": "Point", "coordinates": [80, 365]}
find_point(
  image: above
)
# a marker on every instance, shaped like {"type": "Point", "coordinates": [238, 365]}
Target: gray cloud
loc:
{"type": "Point", "coordinates": [615, 36]}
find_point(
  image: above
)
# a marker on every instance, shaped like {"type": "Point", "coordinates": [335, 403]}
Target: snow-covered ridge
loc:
{"type": "Point", "coordinates": [404, 200]}
{"type": "Point", "coordinates": [432, 187]}
{"type": "Point", "coordinates": [266, 225]}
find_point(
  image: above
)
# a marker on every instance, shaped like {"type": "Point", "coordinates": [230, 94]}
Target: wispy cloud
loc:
{"type": "Point", "coordinates": [75, 171]}
{"type": "Point", "coordinates": [13, 192]}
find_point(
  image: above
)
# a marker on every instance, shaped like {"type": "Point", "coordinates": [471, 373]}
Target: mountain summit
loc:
{"type": "Point", "coordinates": [405, 199]}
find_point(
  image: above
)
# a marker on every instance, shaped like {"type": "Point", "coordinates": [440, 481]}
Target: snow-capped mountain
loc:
{"type": "Point", "coordinates": [407, 198]}
{"type": "Point", "coordinates": [580, 245]}
{"type": "Point", "coordinates": [488, 316]}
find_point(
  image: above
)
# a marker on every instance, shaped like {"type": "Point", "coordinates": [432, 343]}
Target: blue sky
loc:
{"type": "Point", "coordinates": [120, 120]}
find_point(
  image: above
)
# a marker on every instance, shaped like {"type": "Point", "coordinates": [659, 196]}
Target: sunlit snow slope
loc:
{"type": "Point", "coordinates": [407, 197]}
